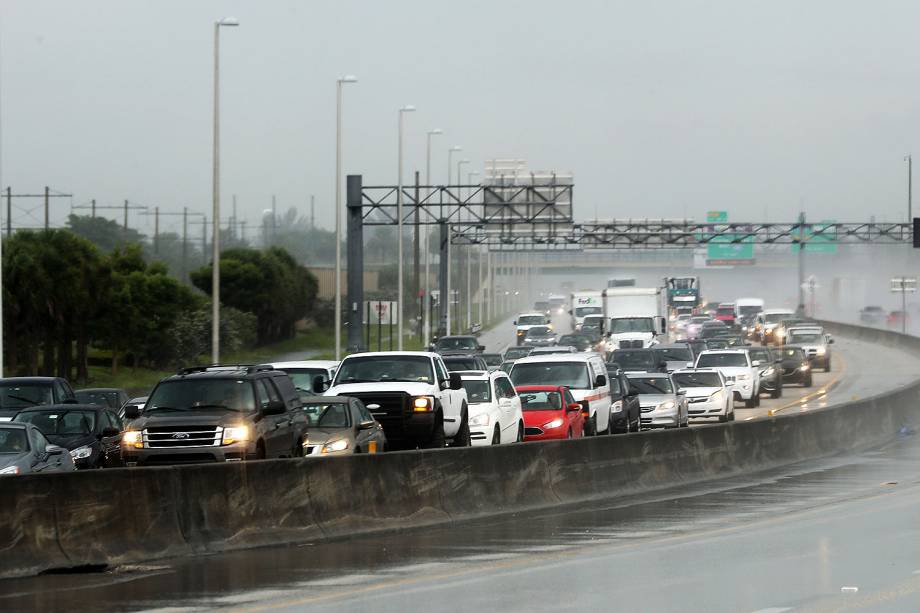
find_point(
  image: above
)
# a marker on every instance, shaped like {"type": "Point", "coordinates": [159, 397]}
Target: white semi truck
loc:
{"type": "Point", "coordinates": [584, 303]}
{"type": "Point", "coordinates": [635, 317]}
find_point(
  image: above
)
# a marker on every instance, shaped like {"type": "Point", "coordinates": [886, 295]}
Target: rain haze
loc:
{"type": "Point", "coordinates": [671, 109]}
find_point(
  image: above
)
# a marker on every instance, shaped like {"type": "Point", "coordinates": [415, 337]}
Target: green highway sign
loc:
{"type": "Point", "coordinates": [722, 250]}
{"type": "Point", "coordinates": [817, 241]}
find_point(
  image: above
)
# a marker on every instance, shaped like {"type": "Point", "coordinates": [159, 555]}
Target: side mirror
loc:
{"type": "Point", "coordinates": [729, 384]}
{"type": "Point", "coordinates": [689, 364]}
{"type": "Point", "coordinates": [54, 450]}
{"type": "Point", "coordinates": [456, 382]}
{"type": "Point", "coordinates": [319, 384]}
{"type": "Point", "coordinates": [514, 323]}
{"type": "Point", "coordinates": [132, 411]}
{"type": "Point", "coordinates": [482, 347]}
{"type": "Point", "coordinates": [573, 407]}
{"type": "Point", "coordinates": [570, 311]}
{"type": "Point", "coordinates": [109, 432]}
{"type": "Point", "coordinates": [600, 381]}
{"type": "Point", "coordinates": [275, 407]}
{"type": "Point", "coordinates": [830, 340]}
{"type": "Point", "coordinates": [367, 424]}
{"type": "Point", "coordinates": [755, 363]}
{"type": "Point", "coordinates": [432, 347]}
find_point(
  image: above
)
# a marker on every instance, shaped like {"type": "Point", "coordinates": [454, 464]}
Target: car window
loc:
{"type": "Point", "coordinates": [570, 374]}
{"type": "Point", "coordinates": [504, 388]}
{"type": "Point", "coordinates": [61, 422]}
{"type": "Point", "coordinates": [717, 360]}
{"type": "Point", "coordinates": [652, 385]}
{"type": "Point", "coordinates": [332, 415]}
{"type": "Point", "coordinates": [539, 400]}
{"type": "Point", "coordinates": [113, 420]}
{"type": "Point", "coordinates": [356, 416]}
{"type": "Point", "coordinates": [441, 370]}
{"type": "Point", "coordinates": [569, 398]}
{"type": "Point", "coordinates": [38, 441]}
{"type": "Point", "coordinates": [261, 395]}
{"type": "Point", "coordinates": [13, 440]}
{"type": "Point", "coordinates": [614, 386]}
{"type": "Point", "coordinates": [478, 391]}
{"type": "Point", "coordinates": [362, 410]}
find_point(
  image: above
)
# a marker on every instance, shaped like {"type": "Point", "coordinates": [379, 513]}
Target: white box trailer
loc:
{"type": "Point", "coordinates": [584, 303]}
{"type": "Point", "coordinates": [635, 317]}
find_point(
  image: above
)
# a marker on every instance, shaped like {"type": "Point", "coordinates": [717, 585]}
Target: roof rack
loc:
{"type": "Point", "coordinates": [249, 368]}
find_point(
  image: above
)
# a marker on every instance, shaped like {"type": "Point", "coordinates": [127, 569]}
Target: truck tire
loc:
{"type": "Point", "coordinates": [437, 435]}
{"type": "Point", "coordinates": [751, 402]}
{"type": "Point", "coordinates": [462, 438]}
{"type": "Point", "coordinates": [827, 365]}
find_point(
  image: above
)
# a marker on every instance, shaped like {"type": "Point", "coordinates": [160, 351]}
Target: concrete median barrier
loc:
{"type": "Point", "coordinates": [112, 517]}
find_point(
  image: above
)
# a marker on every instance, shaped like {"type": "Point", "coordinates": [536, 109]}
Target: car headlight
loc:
{"type": "Point", "coordinates": [616, 407]}
{"type": "Point", "coordinates": [821, 351]}
{"type": "Point", "coordinates": [422, 404]}
{"type": "Point", "coordinates": [482, 419]}
{"type": "Point", "coordinates": [520, 332]}
{"type": "Point", "coordinates": [553, 424]}
{"type": "Point", "coordinates": [339, 445]}
{"type": "Point", "coordinates": [81, 453]}
{"type": "Point", "coordinates": [715, 395]}
{"type": "Point", "coordinates": [235, 434]}
{"type": "Point", "coordinates": [804, 367]}
{"type": "Point", "coordinates": [132, 438]}
{"type": "Point", "coordinates": [666, 405]}
{"type": "Point", "coordinates": [10, 470]}
{"type": "Point", "coordinates": [767, 372]}
{"type": "Point", "coordinates": [742, 377]}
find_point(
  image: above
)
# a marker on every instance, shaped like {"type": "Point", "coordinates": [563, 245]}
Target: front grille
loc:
{"type": "Point", "coordinates": [391, 412]}
{"type": "Point", "coordinates": [533, 431]}
{"type": "Point", "coordinates": [648, 409]}
{"type": "Point", "coordinates": [172, 437]}
{"type": "Point", "coordinates": [630, 344]}
{"type": "Point", "coordinates": [186, 458]}
{"type": "Point", "coordinates": [692, 400]}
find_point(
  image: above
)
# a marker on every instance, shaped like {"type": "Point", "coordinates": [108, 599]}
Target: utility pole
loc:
{"type": "Point", "coordinates": [312, 213]}
{"type": "Point", "coordinates": [233, 220]}
{"type": "Point", "coordinates": [9, 212]}
{"type": "Point", "coordinates": [801, 307]}
{"type": "Point", "coordinates": [94, 209]}
{"type": "Point", "coordinates": [274, 218]}
{"type": "Point", "coordinates": [185, 244]}
{"type": "Point", "coordinates": [416, 257]}
{"type": "Point", "coordinates": [910, 188]}
{"type": "Point", "coordinates": [243, 230]}
{"type": "Point", "coordinates": [204, 241]}
{"type": "Point", "coordinates": [47, 208]}
{"type": "Point", "coordinates": [126, 216]}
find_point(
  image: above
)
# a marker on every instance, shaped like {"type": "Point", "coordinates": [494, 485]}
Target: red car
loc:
{"type": "Point", "coordinates": [726, 313]}
{"type": "Point", "coordinates": [550, 412]}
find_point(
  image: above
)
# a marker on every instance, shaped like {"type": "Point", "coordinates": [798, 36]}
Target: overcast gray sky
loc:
{"type": "Point", "coordinates": [658, 108]}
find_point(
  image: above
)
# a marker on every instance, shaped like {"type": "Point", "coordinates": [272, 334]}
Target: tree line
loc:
{"type": "Point", "coordinates": [65, 295]}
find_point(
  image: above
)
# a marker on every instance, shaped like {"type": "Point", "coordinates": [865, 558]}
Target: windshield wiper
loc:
{"type": "Point", "coordinates": [29, 400]}
{"type": "Point", "coordinates": [211, 406]}
{"type": "Point", "coordinates": [151, 410]}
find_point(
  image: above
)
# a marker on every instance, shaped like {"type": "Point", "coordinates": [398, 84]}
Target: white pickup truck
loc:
{"type": "Point", "coordinates": [413, 396]}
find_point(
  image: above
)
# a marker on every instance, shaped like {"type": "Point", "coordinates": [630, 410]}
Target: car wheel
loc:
{"type": "Point", "coordinates": [807, 382]}
{"type": "Point", "coordinates": [751, 402]}
{"type": "Point", "coordinates": [827, 365]}
{"type": "Point", "coordinates": [297, 451]}
{"type": "Point", "coordinates": [777, 391]}
{"type": "Point", "coordinates": [591, 426]}
{"type": "Point", "coordinates": [569, 433]}
{"type": "Point", "coordinates": [520, 436]}
{"type": "Point", "coordinates": [731, 416]}
{"type": "Point", "coordinates": [462, 439]}
{"type": "Point", "coordinates": [497, 436]}
{"type": "Point", "coordinates": [723, 418]}
{"type": "Point", "coordinates": [437, 436]}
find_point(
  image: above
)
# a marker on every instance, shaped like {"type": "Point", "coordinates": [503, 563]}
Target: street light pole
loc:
{"type": "Point", "coordinates": [399, 223]}
{"type": "Point", "coordinates": [910, 188]}
{"type": "Point", "coordinates": [215, 193]}
{"type": "Point", "coordinates": [338, 212]}
{"type": "Point", "coordinates": [450, 155]}
{"type": "Point", "coordinates": [426, 315]}
{"type": "Point", "coordinates": [465, 252]}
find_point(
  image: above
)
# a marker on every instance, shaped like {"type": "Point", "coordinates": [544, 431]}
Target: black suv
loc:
{"type": "Point", "coordinates": [217, 413]}
{"type": "Point", "coordinates": [458, 363]}
{"type": "Point", "coordinates": [628, 418]}
{"type": "Point", "coordinates": [18, 393]}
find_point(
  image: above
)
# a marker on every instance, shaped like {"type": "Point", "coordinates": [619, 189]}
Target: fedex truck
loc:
{"type": "Point", "coordinates": [635, 317]}
{"type": "Point", "coordinates": [584, 303]}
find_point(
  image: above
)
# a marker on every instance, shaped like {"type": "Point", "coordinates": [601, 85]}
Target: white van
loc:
{"type": "Point", "coordinates": [585, 374]}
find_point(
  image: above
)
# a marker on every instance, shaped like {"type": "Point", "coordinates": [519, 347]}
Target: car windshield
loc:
{"type": "Point", "coordinates": [516, 353]}
{"type": "Point", "coordinates": [539, 400]}
{"type": "Point", "coordinates": [102, 399]}
{"type": "Point", "coordinates": [651, 385]}
{"type": "Point", "coordinates": [631, 324]}
{"type": "Point", "coordinates": [457, 343]}
{"type": "Point", "coordinates": [458, 364]}
{"type": "Point", "coordinates": [531, 320]}
{"type": "Point", "coordinates": [699, 319]}
{"type": "Point", "coordinates": [674, 354]}
{"type": "Point", "coordinates": [806, 337]}
{"type": "Point", "coordinates": [383, 368]}
{"type": "Point", "coordinates": [73, 421]}
{"type": "Point", "coordinates": [774, 318]}
{"type": "Point", "coordinates": [726, 311]}
{"type": "Point", "coordinates": [332, 415]}
{"type": "Point", "coordinates": [634, 359]}
{"type": "Point", "coordinates": [588, 310]}
{"type": "Point", "coordinates": [793, 353]}
{"type": "Point", "coordinates": [492, 359]}
{"type": "Point", "coordinates": [541, 306]}
{"type": "Point", "coordinates": [697, 379]}
{"type": "Point", "coordinates": [575, 340]}
{"type": "Point", "coordinates": [749, 310]}
{"type": "Point", "coordinates": [21, 396]}
{"type": "Point", "coordinates": [717, 343]}
{"type": "Point", "coordinates": [477, 391]}
{"type": "Point", "coordinates": [717, 360]}
{"type": "Point", "coordinates": [13, 440]}
{"type": "Point", "coordinates": [761, 355]}
{"type": "Point", "coordinates": [303, 377]}
{"type": "Point", "coordinates": [507, 366]}
{"type": "Point", "coordinates": [539, 331]}
{"type": "Point", "coordinates": [202, 393]}
{"type": "Point", "coordinates": [573, 375]}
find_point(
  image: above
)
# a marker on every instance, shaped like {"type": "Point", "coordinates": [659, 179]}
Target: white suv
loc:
{"type": "Point", "coordinates": [739, 369]}
{"type": "Point", "coordinates": [494, 407]}
{"type": "Point", "coordinates": [525, 321]}
{"type": "Point", "coordinates": [411, 394]}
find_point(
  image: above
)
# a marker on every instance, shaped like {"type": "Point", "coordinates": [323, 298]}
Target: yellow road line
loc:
{"type": "Point", "coordinates": [821, 392]}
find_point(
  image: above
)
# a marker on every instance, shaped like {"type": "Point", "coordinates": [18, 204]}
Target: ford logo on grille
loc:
{"type": "Point", "coordinates": [373, 406]}
{"type": "Point", "coordinates": [180, 435]}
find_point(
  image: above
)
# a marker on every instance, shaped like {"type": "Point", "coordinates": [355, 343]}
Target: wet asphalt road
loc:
{"type": "Point", "coordinates": [789, 539]}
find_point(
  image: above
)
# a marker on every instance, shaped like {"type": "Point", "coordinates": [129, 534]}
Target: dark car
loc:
{"type": "Point", "coordinates": [214, 414]}
{"type": "Point", "coordinates": [676, 356]}
{"type": "Point", "coordinates": [340, 425]}
{"type": "Point", "coordinates": [110, 397]}
{"type": "Point", "coordinates": [626, 414]}
{"type": "Point", "coordinates": [735, 340]}
{"type": "Point", "coordinates": [712, 329]}
{"type": "Point", "coordinates": [516, 353]}
{"type": "Point", "coordinates": [638, 360]}
{"type": "Point", "coordinates": [697, 345]}
{"type": "Point", "coordinates": [90, 432]}
{"type": "Point", "coordinates": [18, 393]}
{"type": "Point", "coordinates": [581, 342]}
{"type": "Point", "coordinates": [458, 344]}
{"type": "Point", "coordinates": [795, 364]}
{"type": "Point", "coordinates": [540, 336]}
{"type": "Point", "coordinates": [24, 450]}
{"type": "Point", "coordinates": [457, 363]}
{"type": "Point", "coordinates": [720, 342]}
{"type": "Point", "coordinates": [492, 360]}
{"type": "Point", "coordinates": [771, 370]}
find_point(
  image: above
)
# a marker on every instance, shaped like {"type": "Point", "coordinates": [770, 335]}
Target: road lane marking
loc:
{"type": "Point", "coordinates": [821, 392]}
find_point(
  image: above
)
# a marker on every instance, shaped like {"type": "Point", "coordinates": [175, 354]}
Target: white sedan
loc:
{"type": "Point", "coordinates": [708, 393]}
{"type": "Point", "coordinates": [494, 408]}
